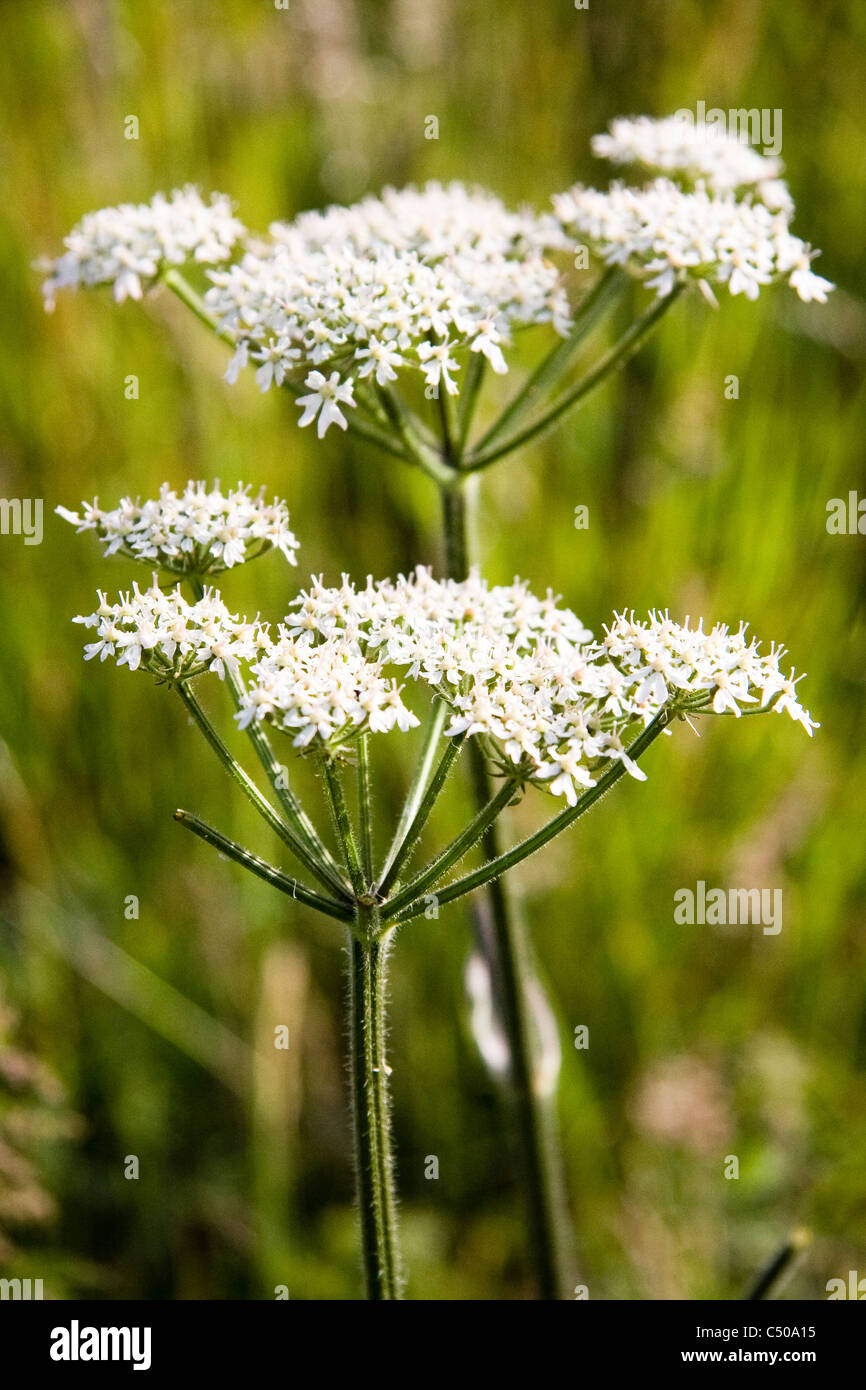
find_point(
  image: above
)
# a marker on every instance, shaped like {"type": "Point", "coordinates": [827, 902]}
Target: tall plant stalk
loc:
{"type": "Point", "coordinates": [368, 948]}
{"type": "Point", "coordinates": [540, 1160]}
{"type": "Point", "coordinates": [372, 1128]}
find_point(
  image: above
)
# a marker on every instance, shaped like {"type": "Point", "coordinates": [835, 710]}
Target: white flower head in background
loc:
{"type": "Point", "coordinates": [345, 304]}
{"type": "Point", "coordinates": [412, 282]}
{"type": "Point", "coordinates": [200, 531]}
{"type": "Point", "coordinates": [664, 234]}
{"type": "Point", "coordinates": [130, 245]}
{"type": "Point", "coordinates": [695, 152]}
{"type": "Point", "coordinates": [160, 632]}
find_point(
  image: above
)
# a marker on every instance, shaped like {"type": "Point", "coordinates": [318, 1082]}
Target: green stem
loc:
{"type": "Point", "coordinates": [501, 863]}
{"type": "Point", "coordinates": [369, 1078]}
{"type": "Point", "coordinates": [343, 823]}
{"type": "Point", "coordinates": [416, 449]}
{"type": "Point", "coordinates": [469, 397]}
{"type": "Point", "coordinates": [415, 793]}
{"type": "Point", "coordinates": [426, 799]}
{"type": "Point", "coordinates": [275, 877]}
{"type": "Point", "coordinates": [193, 300]}
{"type": "Point", "coordinates": [551, 367]}
{"type": "Point", "coordinates": [275, 772]}
{"type": "Point", "coordinates": [446, 424]}
{"type": "Point", "coordinates": [540, 1160]}
{"type": "Point", "coordinates": [365, 810]}
{"type": "Point", "coordinates": [249, 788]}
{"type": "Point", "coordinates": [456, 494]}
{"type": "Point", "coordinates": [474, 832]}
{"type": "Point", "coordinates": [296, 815]}
{"type": "Point", "coordinates": [618, 354]}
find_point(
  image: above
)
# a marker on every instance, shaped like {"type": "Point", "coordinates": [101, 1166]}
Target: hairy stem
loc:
{"type": "Point", "coordinates": [343, 823]}
{"type": "Point", "coordinates": [369, 1079]}
{"type": "Point", "coordinates": [365, 810]}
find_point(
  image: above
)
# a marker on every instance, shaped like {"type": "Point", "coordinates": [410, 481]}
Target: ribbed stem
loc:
{"type": "Point", "coordinates": [474, 834]}
{"type": "Point", "coordinates": [275, 877]}
{"type": "Point", "coordinates": [296, 816]}
{"type": "Point", "coordinates": [540, 1160]}
{"type": "Point", "coordinates": [248, 787]}
{"type": "Point", "coordinates": [369, 1072]}
{"type": "Point", "coordinates": [414, 798]}
{"type": "Point", "coordinates": [426, 802]}
{"type": "Point", "coordinates": [573, 395]}
{"type": "Point", "coordinates": [343, 825]}
{"type": "Point", "coordinates": [365, 810]}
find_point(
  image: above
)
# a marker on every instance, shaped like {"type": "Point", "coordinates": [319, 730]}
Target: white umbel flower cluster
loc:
{"type": "Point", "coordinates": [554, 706]}
{"type": "Point", "coordinates": [130, 245]}
{"type": "Point", "coordinates": [664, 234]}
{"type": "Point", "coordinates": [175, 640]}
{"type": "Point", "coordinates": [199, 531]}
{"type": "Point", "coordinates": [412, 282]}
{"type": "Point", "coordinates": [327, 690]}
{"type": "Point", "coordinates": [686, 150]}
{"type": "Point", "coordinates": [721, 670]}
{"type": "Point", "coordinates": [340, 304]}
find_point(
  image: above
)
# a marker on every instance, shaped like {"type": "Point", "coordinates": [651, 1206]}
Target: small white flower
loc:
{"type": "Point", "coordinates": [323, 401]}
{"type": "Point", "coordinates": [439, 365]}
{"type": "Point", "coordinates": [380, 358]}
{"type": "Point", "coordinates": [275, 359]}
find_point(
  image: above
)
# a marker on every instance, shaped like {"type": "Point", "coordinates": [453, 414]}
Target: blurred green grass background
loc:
{"type": "Point", "coordinates": [703, 1043]}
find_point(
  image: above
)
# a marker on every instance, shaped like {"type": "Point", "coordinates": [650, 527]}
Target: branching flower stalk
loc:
{"type": "Point", "coordinates": [360, 313]}
{"type": "Point", "coordinates": [494, 668]}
